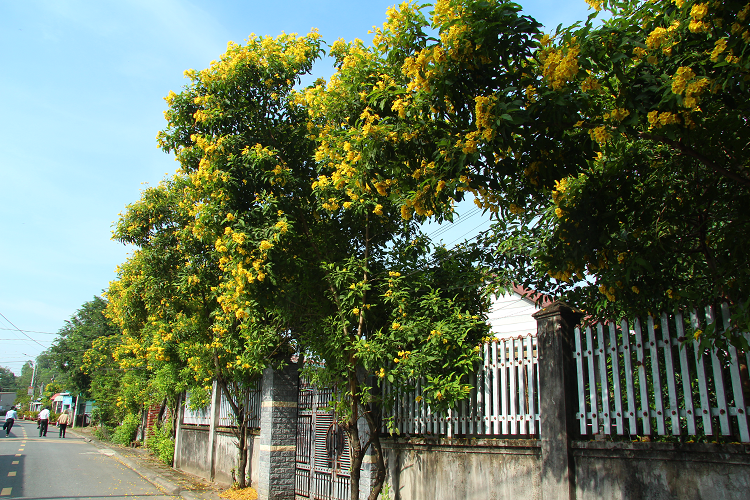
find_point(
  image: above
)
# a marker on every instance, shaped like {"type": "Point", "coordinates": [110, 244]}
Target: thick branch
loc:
{"type": "Point", "coordinates": [691, 152]}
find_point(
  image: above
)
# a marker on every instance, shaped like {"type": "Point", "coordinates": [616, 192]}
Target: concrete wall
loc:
{"type": "Point", "coordinates": [467, 469]}
{"type": "Point", "coordinates": [663, 471]}
{"type": "Point", "coordinates": [496, 469]}
{"type": "Point", "coordinates": [193, 454]}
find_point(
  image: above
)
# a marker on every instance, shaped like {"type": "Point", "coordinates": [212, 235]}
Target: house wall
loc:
{"type": "Point", "coordinates": [510, 316]}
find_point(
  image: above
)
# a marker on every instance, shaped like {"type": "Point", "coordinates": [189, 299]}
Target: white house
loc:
{"type": "Point", "coordinates": [510, 314]}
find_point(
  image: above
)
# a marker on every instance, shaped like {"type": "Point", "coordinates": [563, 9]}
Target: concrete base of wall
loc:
{"type": "Point", "coordinates": [448, 469]}
{"type": "Point", "coordinates": [664, 471]}
{"type": "Point", "coordinates": [463, 469]}
{"type": "Point", "coordinates": [193, 455]}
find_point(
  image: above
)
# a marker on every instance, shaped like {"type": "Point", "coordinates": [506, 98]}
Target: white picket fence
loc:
{"type": "Point", "coordinates": [226, 415]}
{"type": "Point", "coordinates": [504, 401]}
{"type": "Point", "coordinates": [642, 380]}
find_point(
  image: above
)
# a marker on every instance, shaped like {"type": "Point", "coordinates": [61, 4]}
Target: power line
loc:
{"type": "Point", "coordinates": [14, 326]}
{"type": "Point", "coordinates": [28, 331]}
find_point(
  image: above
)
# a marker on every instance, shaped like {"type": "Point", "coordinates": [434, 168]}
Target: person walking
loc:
{"type": "Point", "coordinates": [62, 422]}
{"type": "Point", "coordinates": [10, 419]}
{"type": "Point", "coordinates": [43, 419]}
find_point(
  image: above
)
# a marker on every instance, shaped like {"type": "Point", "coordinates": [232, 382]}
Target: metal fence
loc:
{"type": "Point", "coordinates": [654, 379]}
{"type": "Point", "coordinates": [504, 400]}
{"type": "Point", "coordinates": [226, 415]}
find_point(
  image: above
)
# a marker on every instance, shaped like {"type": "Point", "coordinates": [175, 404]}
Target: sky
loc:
{"type": "Point", "coordinates": [83, 84]}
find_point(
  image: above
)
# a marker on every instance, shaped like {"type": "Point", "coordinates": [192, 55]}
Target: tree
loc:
{"type": "Point", "coordinates": [612, 157]}
{"type": "Point", "coordinates": [76, 338]}
{"type": "Point", "coordinates": [206, 233]}
{"type": "Point", "coordinates": [7, 380]}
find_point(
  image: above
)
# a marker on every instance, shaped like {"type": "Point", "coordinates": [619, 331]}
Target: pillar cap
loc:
{"type": "Point", "coordinates": [558, 307]}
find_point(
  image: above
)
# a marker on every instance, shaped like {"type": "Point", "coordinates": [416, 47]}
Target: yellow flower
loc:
{"type": "Point", "coordinates": [265, 245]}
{"type": "Point", "coordinates": [697, 334]}
{"type": "Point", "coordinates": [381, 373]}
{"type": "Point", "coordinates": [396, 326]}
{"type": "Point", "coordinates": [378, 209]}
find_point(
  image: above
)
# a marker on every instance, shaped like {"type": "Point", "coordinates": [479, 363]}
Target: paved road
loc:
{"type": "Point", "coordinates": [47, 468]}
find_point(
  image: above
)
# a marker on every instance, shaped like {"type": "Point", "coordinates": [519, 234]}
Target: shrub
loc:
{"type": "Point", "coordinates": [161, 443]}
{"type": "Point", "coordinates": [125, 432]}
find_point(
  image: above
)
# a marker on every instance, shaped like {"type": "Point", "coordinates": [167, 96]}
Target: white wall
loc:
{"type": "Point", "coordinates": [510, 316]}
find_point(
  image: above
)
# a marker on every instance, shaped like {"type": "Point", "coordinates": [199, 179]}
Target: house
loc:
{"type": "Point", "coordinates": [6, 401]}
{"type": "Point", "coordinates": [510, 313]}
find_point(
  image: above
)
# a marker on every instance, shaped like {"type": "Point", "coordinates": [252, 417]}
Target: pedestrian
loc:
{"type": "Point", "coordinates": [63, 421]}
{"type": "Point", "coordinates": [10, 418]}
{"type": "Point", "coordinates": [43, 420]}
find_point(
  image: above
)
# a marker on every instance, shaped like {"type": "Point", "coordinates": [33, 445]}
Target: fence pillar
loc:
{"type": "Point", "coordinates": [177, 457]}
{"type": "Point", "coordinates": [278, 433]}
{"type": "Point", "coordinates": [558, 398]}
{"type": "Point", "coordinates": [213, 424]}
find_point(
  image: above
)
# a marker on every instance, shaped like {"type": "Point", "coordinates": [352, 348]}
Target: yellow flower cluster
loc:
{"type": "Point", "coordinates": [658, 120]}
{"type": "Point", "coordinates": [608, 292]}
{"type": "Point", "coordinates": [560, 65]}
{"type": "Point", "coordinates": [697, 13]}
{"type": "Point", "coordinates": [617, 114]}
{"type": "Point", "coordinates": [600, 134]}
{"type": "Point", "coordinates": [483, 116]}
{"type": "Point", "coordinates": [595, 4]}
{"type": "Point", "coordinates": [719, 47]}
{"type": "Point", "coordinates": [591, 84]}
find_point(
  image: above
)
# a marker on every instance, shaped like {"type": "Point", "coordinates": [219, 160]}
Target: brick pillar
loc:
{"type": "Point", "coordinates": [558, 398]}
{"type": "Point", "coordinates": [278, 433]}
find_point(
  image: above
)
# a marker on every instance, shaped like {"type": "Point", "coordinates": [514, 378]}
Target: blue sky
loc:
{"type": "Point", "coordinates": [82, 84]}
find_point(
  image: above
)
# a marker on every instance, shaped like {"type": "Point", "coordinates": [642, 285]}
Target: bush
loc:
{"type": "Point", "coordinates": [125, 432]}
{"type": "Point", "coordinates": [161, 442]}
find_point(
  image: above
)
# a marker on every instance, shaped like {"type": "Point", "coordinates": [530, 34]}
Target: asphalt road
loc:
{"type": "Point", "coordinates": [46, 468]}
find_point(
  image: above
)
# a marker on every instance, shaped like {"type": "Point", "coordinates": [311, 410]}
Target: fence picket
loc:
{"type": "Point", "coordinates": [496, 414]}
{"type": "Point", "coordinates": [721, 398]}
{"type": "Point", "coordinates": [593, 403]}
{"type": "Point", "coordinates": [530, 369]}
{"type": "Point", "coordinates": [656, 377]}
{"type": "Point", "coordinates": [504, 386]}
{"type": "Point", "coordinates": [604, 386]}
{"type": "Point", "coordinates": [673, 411]}
{"type": "Point", "coordinates": [487, 391]}
{"type": "Point", "coordinates": [734, 369]}
{"type": "Point", "coordinates": [513, 392]}
{"type": "Point", "coordinates": [522, 412]}
{"type": "Point", "coordinates": [581, 388]}
{"type": "Point", "coordinates": [705, 410]}
{"type": "Point", "coordinates": [645, 410]}
{"type": "Point", "coordinates": [629, 386]}
{"type": "Point", "coordinates": [687, 390]}
{"type": "Point", "coordinates": [616, 390]}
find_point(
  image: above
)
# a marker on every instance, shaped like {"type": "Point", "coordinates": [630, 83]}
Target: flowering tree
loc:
{"type": "Point", "coordinates": [613, 157]}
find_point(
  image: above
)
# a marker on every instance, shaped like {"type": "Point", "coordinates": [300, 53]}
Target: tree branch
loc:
{"type": "Point", "coordinates": [691, 152]}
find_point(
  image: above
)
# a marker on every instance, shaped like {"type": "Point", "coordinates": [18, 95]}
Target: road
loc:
{"type": "Point", "coordinates": [46, 468]}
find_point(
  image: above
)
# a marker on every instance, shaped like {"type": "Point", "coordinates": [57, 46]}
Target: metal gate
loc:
{"type": "Point", "coordinates": [323, 460]}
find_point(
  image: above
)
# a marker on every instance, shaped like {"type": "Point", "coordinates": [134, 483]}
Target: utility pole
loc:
{"type": "Point", "coordinates": [33, 376]}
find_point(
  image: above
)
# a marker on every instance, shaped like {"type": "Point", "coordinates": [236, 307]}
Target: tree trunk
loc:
{"type": "Point", "coordinates": [379, 461]}
{"type": "Point", "coordinates": [355, 447]}
{"type": "Point", "coordinates": [242, 448]}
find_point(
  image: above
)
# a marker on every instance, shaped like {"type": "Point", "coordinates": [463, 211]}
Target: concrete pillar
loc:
{"type": "Point", "coordinates": [177, 457]}
{"type": "Point", "coordinates": [278, 433]}
{"type": "Point", "coordinates": [558, 398]}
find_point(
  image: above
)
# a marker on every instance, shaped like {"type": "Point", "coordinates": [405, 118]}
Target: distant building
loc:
{"type": "Point", "coordinates": [7, 399]}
